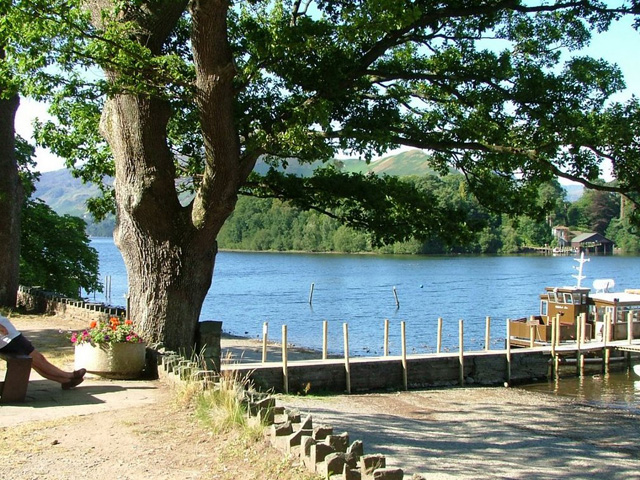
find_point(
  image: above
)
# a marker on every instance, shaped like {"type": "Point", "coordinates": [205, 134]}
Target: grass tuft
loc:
{"type": "Point", "coordinates": [221, 407]}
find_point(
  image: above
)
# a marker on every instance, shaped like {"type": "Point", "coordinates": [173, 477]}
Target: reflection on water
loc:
{"type": "Point", "coordinates": [619, 388]}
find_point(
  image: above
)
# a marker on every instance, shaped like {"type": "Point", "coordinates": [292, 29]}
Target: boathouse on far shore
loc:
{"type": "Point", "coordinates": [592, 243]}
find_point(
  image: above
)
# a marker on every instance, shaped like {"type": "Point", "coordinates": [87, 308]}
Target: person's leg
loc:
{"type": "Point", "coordinates": [22, 346]}
{"type": "Point", "coordinates": [48, 370]}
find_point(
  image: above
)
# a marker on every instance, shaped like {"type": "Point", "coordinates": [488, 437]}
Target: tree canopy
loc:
{"type": "Point", "coordinates": [495, 89]}
{"type": "Point", "coordinates": [170, 95]}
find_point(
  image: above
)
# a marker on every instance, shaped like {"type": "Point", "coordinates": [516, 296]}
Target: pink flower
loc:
{"type": "Point", "coordinates": [106, 332]}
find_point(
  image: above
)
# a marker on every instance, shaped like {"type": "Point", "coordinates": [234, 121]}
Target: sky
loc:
{"type": "Point", "coordinates": [618, 45]}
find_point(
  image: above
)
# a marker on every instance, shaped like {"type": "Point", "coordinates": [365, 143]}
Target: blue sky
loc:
{"type": "Point", "coordinates": [619, 45]}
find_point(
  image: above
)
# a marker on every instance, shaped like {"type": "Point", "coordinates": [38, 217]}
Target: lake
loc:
{"type": "Point", "coordinates": [250, 288]}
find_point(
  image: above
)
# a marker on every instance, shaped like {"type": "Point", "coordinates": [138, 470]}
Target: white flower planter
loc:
{"type": "Point", "coordinates": [116, 360]}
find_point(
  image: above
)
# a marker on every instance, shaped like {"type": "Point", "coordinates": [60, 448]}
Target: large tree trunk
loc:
{"type": "Point", "coordinates": [169, 249]}
{"type": "Point", "coordinates": [11, 199]}
{"type": "Point", "coordinates": [169, 261]}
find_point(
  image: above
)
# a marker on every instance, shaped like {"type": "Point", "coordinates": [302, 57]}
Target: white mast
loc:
{"type": "Point", "coordinates": [579, 276]}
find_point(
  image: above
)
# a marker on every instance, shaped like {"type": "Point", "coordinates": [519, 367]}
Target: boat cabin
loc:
{"type": "Point", "coordinates": [619, 307]}
{"type": "Point", "coordinates": [566, 302]}
{"type": "Point", "coordinates": [569, 303]}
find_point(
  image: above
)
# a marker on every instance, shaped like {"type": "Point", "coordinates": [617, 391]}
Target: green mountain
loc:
{"type": "Point", "coordinates": [68, 195]}
{"type": "Point", "coordinates": [411, 162]}
{"type": "Point", "coordinates": [64, 193]}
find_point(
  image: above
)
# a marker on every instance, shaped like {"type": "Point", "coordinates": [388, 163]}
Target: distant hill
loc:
{"type": "Point", "coordinates": [574, 191]}
{"type": "Point", "coordinates": [68, 195]}
{"type": "Point", "coordinates": [64, 193]}
{"type": "Point", "coordinates": [411, 162]}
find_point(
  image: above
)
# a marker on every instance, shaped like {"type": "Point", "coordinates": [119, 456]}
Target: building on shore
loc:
{"type": "Point", "coordinates": [592, 243]}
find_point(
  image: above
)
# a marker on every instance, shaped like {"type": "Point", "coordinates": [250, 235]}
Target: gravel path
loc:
{"type": "Point", "coordinates": [485, 433]}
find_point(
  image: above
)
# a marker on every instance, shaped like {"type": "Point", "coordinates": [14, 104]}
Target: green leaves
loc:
{"type": "Point", "coordinates": [490, 88]}
{"type": "Point", "coordinates": [55, 252]}
{"type": "Point", "coordinates": [391, 209]}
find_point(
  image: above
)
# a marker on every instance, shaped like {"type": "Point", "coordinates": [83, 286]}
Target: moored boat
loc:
{"type": "Point", "coordinates": [606, 314]}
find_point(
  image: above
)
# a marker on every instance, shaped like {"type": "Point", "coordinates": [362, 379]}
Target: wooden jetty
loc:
{"type": "Point", "coordinates": [573, 325]}
{"type": "Point", "coordinates": [486, 367]}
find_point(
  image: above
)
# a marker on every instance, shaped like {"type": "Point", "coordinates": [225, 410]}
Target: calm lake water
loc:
{"type": "Point", "coordinates": [252, 288]}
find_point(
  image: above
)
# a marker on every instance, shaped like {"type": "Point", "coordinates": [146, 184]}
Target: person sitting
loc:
{"type": "Point", "coordinates": [13, 342]}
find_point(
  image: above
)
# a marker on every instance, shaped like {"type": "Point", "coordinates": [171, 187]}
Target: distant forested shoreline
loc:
{"type": "Point", "coordinates": [266, 224]}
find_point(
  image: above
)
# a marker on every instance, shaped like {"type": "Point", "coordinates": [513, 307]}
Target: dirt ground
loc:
{"type": "Point", "coordinates": [118, 430]}
{"type": "Point", "coordinates": [140, 430]}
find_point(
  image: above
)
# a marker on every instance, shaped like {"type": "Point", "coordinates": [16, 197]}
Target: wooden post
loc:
{"type": "Point", "coordinates": [405, 381]}
{"type": "Point", "coordinates": [629, 333]}
{"type": "Point", "coordinates": [579, 344]}
{"type": "Point", "coordinates": [532, 332]}
{"type": "Point", "coordinates": [583, 326]}
{"type": "Point", "coordinates": [607, 336]}
{"type": "Point", "coordinates": [311, 293]}
{"type": "Point", "coordinates": [107, 289]}
{"type": "Point", "coordinates": [508, 347]}
{"type": "Point", "coordinates": [285, 370]}
{"type": "Point", "coordinates": [347, 367]}
{"type": "Point", "coordinates": [265, 335]}
{"type": "Point", "coordinates": [439, 344]}
{"type": "Point", "coordinates": [487, 334]}
{"type": "Point", "coordinates": [461, 350]}
{"type": "Point", "coordinates": [579, 326]}
{"type": "Point", "coordinates": [325, 340]}
{"type": "Point", "coordinates": [395, 294]}
{"type": "Point", "coordinates": [556, 357]}
{"type": "Point", "coordinates": [553, 337]}
{"type": "Point", "coordinates": [386, 337]}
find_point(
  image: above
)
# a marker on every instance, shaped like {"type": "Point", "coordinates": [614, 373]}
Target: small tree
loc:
{"type": "Point", "coordinates": [56, 254]}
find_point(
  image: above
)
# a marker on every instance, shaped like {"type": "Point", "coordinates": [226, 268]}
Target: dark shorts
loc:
{"type": "Point", "coordinates": [18, 346]}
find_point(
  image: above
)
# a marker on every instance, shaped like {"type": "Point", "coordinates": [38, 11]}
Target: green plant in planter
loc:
{"type": "Point", "coordinates": [107, 332]}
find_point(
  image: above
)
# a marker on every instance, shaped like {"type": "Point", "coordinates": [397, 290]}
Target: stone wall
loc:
{"type": "Point", "coordinates": [37, 301]}
{"type": "Point", "coordinates": [386, 373]}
